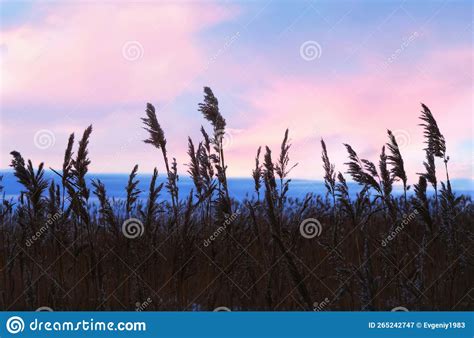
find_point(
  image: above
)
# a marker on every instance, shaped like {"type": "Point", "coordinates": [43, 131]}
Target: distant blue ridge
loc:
{"type": "Point", "coordinates": [239, 188]}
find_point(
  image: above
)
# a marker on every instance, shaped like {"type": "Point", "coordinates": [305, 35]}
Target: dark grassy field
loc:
{"type": "Point", "coordinates": [206, 250]}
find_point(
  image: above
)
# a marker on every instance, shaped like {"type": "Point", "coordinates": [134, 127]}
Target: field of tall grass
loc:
{"type": "Point", "coordinates": [206, 250]}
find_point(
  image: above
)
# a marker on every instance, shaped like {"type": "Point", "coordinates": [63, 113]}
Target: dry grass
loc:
{"type": "Point", "coordinates": [207, 250]}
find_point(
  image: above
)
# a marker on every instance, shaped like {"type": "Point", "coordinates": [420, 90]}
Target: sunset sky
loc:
{"type": "Point", "coordinates": [339, 70]}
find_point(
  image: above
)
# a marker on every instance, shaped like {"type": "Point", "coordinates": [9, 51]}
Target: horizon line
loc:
{"type": "Point", "coordinates": [163, 174]}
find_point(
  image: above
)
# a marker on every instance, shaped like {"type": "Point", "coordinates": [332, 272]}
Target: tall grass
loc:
{"type": "Point", "coordinates": [376, 250]}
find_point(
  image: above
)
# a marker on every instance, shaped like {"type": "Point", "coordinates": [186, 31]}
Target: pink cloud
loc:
{"type": "Point", "coordinates": [358, 109]}
{"type": "Point", "coordinates": [88, 63]}
{"type": "Point", "coordinates": [79, 52]}
{"type": "Point", "coordinates": [74, 59]}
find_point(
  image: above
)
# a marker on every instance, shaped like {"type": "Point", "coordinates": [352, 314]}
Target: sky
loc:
{"type": "Point", "coordinates": [344, 71]}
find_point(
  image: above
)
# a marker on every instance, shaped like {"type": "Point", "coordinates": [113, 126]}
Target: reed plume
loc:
{"type": "Point", "coordinates": [329, 172]}
{"type": "Point", "coordinates": [210, 110]}
{"type": "Point", "coordinates": [430, 173]}
{"type": "Point", "coordinates": [330, 184]}
{"type": "Point", "coordinates": [194, 166]}
{"type": "Point", "coordinates": [80, 165]}
{"type": "Point", "coordinates": [132, 191]}
{"type": "Point", "coordinates": [67, 163]}
{"type": "Point", "coordinates": [435, 141]}
{"type": "Point", "coordinates": [395, 159]}
{"type": "Point", "coordinates": [257, 174]}
{"type": "Point", "coordinates": [34, 183]}
{"type": "Point", "coordinates": [282, 168]}
{"type": "Point", "coordinates": [357, 169]}
{"type": "Point", "coordinates": [106, 210]}
{"type": "Point", "coordinates": [158, 140]}
{"type": "Point", "coordinates": [151, 205]}
{"type": "Point", "coordinates": [421, 202]}
{"type": "Point", "coordinates": [342, 193]}
{"type": "Point", "coordinates": [387, 182]}
{"type": "Point", "coordinates": [261, 247]}
{"type": "Point", "coordinates": [436, 144]}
